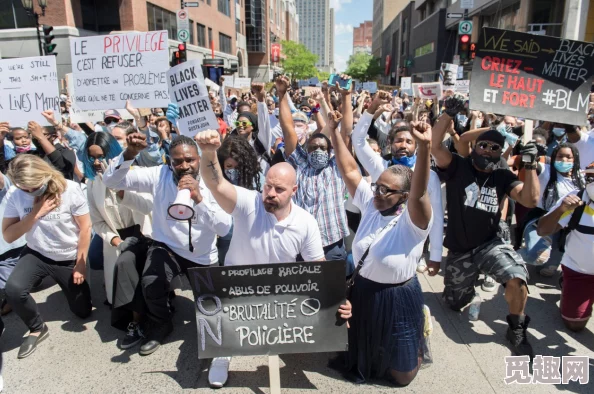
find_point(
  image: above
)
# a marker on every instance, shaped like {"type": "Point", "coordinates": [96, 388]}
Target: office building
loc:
{"type": "Point", "coordinates": [314, 22]}
{"type": "Point", "coordinates": [384, 12]}
{"type": "Point", "coordinates": [331, 42]}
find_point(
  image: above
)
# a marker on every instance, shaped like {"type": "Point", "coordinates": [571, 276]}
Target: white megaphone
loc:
{"type": "Point", "coordinates": [181, 209]}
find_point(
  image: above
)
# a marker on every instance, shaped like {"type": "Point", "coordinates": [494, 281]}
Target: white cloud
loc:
{"type": "Point", "coordinates": [341, 56]}
{"type": "Point", "coordinates": [336, 4]}
{"type": "Point", "coordinates": [341, 28]}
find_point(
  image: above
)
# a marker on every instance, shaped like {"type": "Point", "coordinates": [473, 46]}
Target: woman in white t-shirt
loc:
{"type": "Point", "coordinates": [386, 327]}
{"type": "Point", "coordinates": [557, 179]}
{"type": "Point", "coordinates": [53, 214]}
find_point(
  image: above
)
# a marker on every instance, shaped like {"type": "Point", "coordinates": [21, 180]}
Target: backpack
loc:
{"type": "Point", "coordinates": [573, 223]}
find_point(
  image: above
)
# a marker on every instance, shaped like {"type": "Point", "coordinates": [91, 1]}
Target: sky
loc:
{"type": "Point", "coordinates": [347, 13]}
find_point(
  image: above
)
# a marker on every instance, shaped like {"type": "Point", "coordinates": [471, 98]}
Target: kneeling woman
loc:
{"type": "Point", "coordinates": [386, 326]}
{"type": "Point", "coordinates": [53, 214]}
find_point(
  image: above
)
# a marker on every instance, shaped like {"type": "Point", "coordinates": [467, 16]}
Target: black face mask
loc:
{"type": "Point", "coordinates": [391, 211]}
{"type": "Point", "coordinates": [484, 163]}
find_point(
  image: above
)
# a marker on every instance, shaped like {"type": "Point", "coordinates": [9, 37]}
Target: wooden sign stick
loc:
{"type": "Point", "coordinates": [527, 136]}
{"type": "Point", "coordinates": [274, 372]}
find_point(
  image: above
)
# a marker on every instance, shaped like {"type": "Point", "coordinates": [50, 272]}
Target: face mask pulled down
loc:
{"type": "Point", "coordinates": [484, 163]}
{"type": "Point", "coordinates": [39, 192]}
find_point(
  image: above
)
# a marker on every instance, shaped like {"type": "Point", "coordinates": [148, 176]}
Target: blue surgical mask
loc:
{"type": "Point", "coordinates": [405, 161]}
{"type": "Point", "coordinates": [563, 166]}
{"type": "Point", "coordinates": [511, 138]}
{"type": "Point", "coordinates": [318, 159]}
{"type": "Point", "coordinates": [232, 175]}
{"type": "Point", "coordinates": [558, 131]}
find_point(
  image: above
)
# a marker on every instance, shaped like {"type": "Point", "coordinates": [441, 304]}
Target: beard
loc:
{"type": "Point", "coordinates": [271, 205]}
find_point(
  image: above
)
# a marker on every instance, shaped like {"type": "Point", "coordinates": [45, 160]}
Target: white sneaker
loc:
{"type": "Point", "coordinates": [421, 265]}
{"type": "Point", "coordinates": [489, 284]}
{"type": "Point", "coordinates": [219, 371]}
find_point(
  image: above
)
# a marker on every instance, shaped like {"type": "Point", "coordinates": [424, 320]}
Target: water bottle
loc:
{"type": "Point", "coordinates": [475, 308]}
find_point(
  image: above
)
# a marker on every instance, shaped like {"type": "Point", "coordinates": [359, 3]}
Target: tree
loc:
{"type": "Point", "coordinates": [363, 66]}
{"type": "Point", "coordinates": [323, 76]}
{"type": "Point", "coordinates": [299, 62]}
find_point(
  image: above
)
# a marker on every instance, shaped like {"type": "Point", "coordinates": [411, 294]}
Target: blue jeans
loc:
{"type": "Point", "coordinates": [540, 251]}
{"type": "Point", "coordinates": [223, 244]}
{"type": "Point", "coordinates": [96, 253]}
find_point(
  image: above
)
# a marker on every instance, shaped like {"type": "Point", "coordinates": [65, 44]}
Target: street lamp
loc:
{"type": "Point", "coordinates": [28, 6]}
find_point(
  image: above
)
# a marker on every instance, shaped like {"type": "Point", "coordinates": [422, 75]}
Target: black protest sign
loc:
{"type": "Point", "coordinates": [531, 76]}
{"type": "Point", "coordinates": [269, 308]}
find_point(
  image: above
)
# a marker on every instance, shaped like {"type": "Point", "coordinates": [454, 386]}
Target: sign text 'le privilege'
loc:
{"type": "Point", "coordinates": [269, 308]}
{"type": "Point", "coordinates": [108, 70]}
{"type": "Point", "coordinates": [531, 76]}
{"type": "Point", "coordinates": [187, 89]}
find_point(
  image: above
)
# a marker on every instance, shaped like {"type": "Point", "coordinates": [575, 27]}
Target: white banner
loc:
{"type": "Point", "coordinates": [78, 115]}
{"type": "Point", "coordinates": [371, 87]}
{"type": "Point", "coordinates": [462, 86]}
{"type": "Point", "coordinates": [108, 70]}
{"type": "Point", "coordinates": [228, 82]}
{"type": "Point", "coordinates": [188, 89]}
{"type": "Point", "coordinates": [29, 86]}
{"type": "Point", "coordinates": [428, 90]}
{"type": "Point", "coordinates": [405, 84]}
{"type": "Point", "coordinates": [448, 75]}
{"type": "Point", "coordinates": [211, 85]}
{"type": "Point", "coordinates": [240, 83]}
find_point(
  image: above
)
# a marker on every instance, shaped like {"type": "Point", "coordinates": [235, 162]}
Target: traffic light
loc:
{"type": "Point", "coordinates": [181, 48]}
{"type": "Point", "coordinates": [463, 46]}
{"type": "Point", "coordinates": [48, 47]}
{"type": "Point", "coordinates": [472, 51]}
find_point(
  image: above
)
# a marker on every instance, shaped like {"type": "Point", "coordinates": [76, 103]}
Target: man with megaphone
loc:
{"type": "Point", "coordinates": [186, 221]}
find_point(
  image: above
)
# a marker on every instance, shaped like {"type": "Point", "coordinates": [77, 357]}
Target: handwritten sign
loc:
{"type": "Point", "coordinates": [427, 90]}
{"type": "Point", "coordinates": [269, 308]}
{"type": "Point", "coordinates": [462, 86]}
{"type": "Point", "coordinates": [531, 76]}
{"type": "Point", "coordinates": [188, 89]}
{"type": "Point", "coordinates": [108, 70]}
{"type": "Point", "coordinates": [371, 87]}
{"type": "Point", "coordinates": [241, 83]}
{"type": "Point", "coordinates": [228, 82]}
{"type": "Point", "coordinates": [28, 86]}
{"type": "Point", "coordinates": [448, 75]}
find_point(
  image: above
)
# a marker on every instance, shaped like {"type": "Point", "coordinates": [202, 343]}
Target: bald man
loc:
{"type": "Point", "coordinates": [268, 226]}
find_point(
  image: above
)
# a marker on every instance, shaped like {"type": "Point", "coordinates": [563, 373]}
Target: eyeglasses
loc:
{"type": "Point", "coordinates": [383, 190]}
{"type": "Point", "coordinates": [243, 124]}
{"type": "Point", "coordinates": [92, 159]}
{"type": "Point", "coordinates": [486, 145]}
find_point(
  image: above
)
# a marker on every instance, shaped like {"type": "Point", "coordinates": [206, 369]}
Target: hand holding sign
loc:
{"type": "Point", "coordinates": [36, 130]}
{"type": "Point", "coordinates": [208, 140]}
{"type": "Point", "coordinates": [49, 116]}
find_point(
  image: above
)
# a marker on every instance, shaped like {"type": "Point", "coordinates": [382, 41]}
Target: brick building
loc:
{"type": "Point", "coordinates": [363, 37]}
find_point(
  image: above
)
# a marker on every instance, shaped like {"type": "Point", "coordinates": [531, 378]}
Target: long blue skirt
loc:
{"type": "Point", "coordinates": [386, 330]}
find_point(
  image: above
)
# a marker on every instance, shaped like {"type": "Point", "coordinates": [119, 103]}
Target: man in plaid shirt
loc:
{"type": "Point", "coordinates": [321, 190]}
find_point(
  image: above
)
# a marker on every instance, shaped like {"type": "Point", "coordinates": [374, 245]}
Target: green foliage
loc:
{"type": "Point", "coordinates": [323, 76]}
{"type": "Point", "coordinates": [363, 66]}
{"type": "Point", "coordinates": [299, 62]}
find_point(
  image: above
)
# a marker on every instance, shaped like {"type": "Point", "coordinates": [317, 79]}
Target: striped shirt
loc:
{"type": "Point", "coordinates": [321, 193]}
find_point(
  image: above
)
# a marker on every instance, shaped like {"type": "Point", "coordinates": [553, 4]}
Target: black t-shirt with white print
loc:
{"type": "Point", "coordinates": [473, 199]}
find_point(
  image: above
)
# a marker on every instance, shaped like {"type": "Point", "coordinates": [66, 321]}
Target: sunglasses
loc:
{"type": "Point", "coordinates": [486, 145]}
{"type": "Point", "coordinates": [243, 124]}
{"type": "Point", "coordinates": [383, 190]}
{"type": "Point", "coordinates": [93, 159]}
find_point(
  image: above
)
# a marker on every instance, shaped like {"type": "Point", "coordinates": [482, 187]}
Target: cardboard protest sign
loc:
{"type": "Point", "coordinates": [232, 92]}
{"type": "Point", "coordinates": [462, 86]}
{"type": "Point", "coordinates": [448, 75]}
{"type": "Point", "coordinates": [211, 85]}
{"type": "Point", "coordinates": [428, 90]}
{"type": "Point", "coordinates": [309, 90]}
{"type": "Point", "coordinates": [188, 90]}
{"type": "Point", "coordinates": [108, 70]}
{"type": "Point", "coordinates": [241, 83]}
{"type": "Point", "coordinates": [269, 308]}
{"type": "Point", "coordinates": [78, 115]}
{"type": "Point", "coordinates": [29, 86]}
{"type": "Point", "coordinates": [532, 76]}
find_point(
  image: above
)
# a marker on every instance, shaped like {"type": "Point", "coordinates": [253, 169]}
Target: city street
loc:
{"type": "Point", "coordinates": [81, 356]}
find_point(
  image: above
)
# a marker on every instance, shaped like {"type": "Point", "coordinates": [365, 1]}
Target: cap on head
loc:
{"type": "Point", "coordinates": [492, 136]}
{"type": "Point", "coordinates": [112, 113]}
{"type": "Point", "coordinates": [299, 116]}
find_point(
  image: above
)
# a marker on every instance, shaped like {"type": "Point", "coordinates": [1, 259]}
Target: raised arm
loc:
{"type": "Point", "coordinates": [346, 128]}
{"type": "Point", "coordinates": [222, 190]}
{"type": "Point", "coordinates": [419, 205]}
{"type": "Point", "coordinates": [344, 159]}
{"type": "Point", "coordinates": [528, 193]}
{"type": "Point", "coordinates": [285, 118]}
{"type": "Point", "coordinates": [265, 133]}
{"type": "Point", "coordinates": [441, 154]}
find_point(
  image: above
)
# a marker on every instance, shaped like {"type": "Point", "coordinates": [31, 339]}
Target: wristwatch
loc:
{"type": "Point", "coordinates": [530, 166]}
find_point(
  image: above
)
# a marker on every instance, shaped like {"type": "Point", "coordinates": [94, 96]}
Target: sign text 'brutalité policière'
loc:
{"type": "Point", "coordinates": [531, 76]}
{"type": "Point", "coordinates": [269, 308]}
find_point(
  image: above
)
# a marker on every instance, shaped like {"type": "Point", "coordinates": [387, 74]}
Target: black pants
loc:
{"type": "Point", "coordinates": [33, 266]}
{"type": "Point", "coordinates": [162, 265]}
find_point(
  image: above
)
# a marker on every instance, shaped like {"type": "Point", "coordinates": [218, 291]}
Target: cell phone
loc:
{"type": "Point", "coordinates": [343, 83]}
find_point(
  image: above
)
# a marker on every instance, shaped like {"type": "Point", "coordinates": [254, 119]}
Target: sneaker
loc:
{"type": "Point", "coordinates": [422, 266]}
{"type": "Point", "coordinates": [133, 336]}
{"type": "Point", "coordinates": [30, 343]}
{"type": "Point", "coordinates": [156, 336]}
{"type": "Point", "coordinates": [489, 284]}
{"type": "Point", "coordinates": [516, 335]}
{"type": "Point", "coordinates": [219, 371]}
{"type": "Point", "coordinates": [548, 271]}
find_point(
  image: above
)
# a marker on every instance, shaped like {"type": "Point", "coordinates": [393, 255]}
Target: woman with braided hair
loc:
{"type": "Point", "coordinates": [240, 166]}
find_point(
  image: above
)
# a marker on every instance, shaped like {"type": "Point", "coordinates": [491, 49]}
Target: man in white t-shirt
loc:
{"type": "Point", "coordinates": [177, 245]}
{"type": "Point", "coordinates": [268, 226]}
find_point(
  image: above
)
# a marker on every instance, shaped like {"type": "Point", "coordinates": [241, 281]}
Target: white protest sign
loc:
{"type": "Point", "coordinates": [240, 83]}
{"type": "Point", "coordinates": [78, 115]}
{"type": "Point", "coordinates": [405, 83]}
{"type": "Point", "coordinates": [448, 75]}
{"type": "Point", "coordinates": [428, 90]}
{"type": "Point", "coordinates": [462, 86]}
{"type": "Point", "coordinates": [211, 85]}
{"type": "Point", "coordinates": [314, 81]}
{"type": "Point", "coordinates": [108, 70]}
{"type": "Point", "coordinates": [28, 86]}
{"type": "Point", "coordinates": [228, 82]}
{"type": "Point", "coordinates": [188, 89]}
{"type": "Point", "coordinates": [371, 87]}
